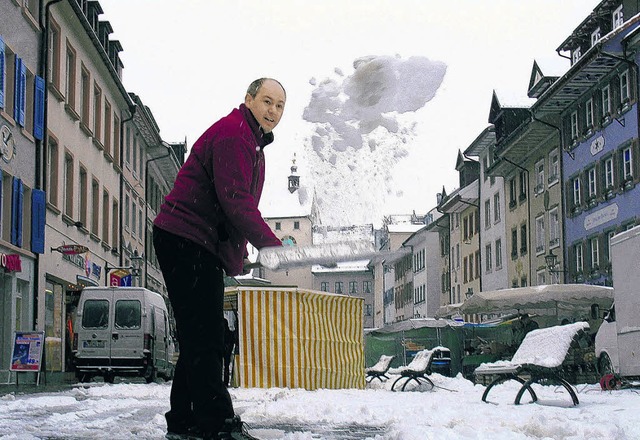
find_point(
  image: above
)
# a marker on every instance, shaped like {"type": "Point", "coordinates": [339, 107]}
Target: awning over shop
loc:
{"type": "Point", "coordinates": [297, 338]}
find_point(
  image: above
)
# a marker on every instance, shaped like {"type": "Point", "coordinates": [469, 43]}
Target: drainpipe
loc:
{"type": "Point", "coordinates": [562, 195]}
{"type": "Point", "coordinates": [40, 183]}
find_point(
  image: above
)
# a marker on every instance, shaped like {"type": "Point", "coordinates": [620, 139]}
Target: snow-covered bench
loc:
{"type": "Point", "coordinates": [420, 367]}
{"type": "Point", "coordinates": [540, 357]}
{"type": "Point", "coordinates": [380, 369]}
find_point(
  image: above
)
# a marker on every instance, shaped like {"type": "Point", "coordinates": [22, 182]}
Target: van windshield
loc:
{"type": "Point", "coordinates": [128, 314]}
{"type": "Point", "coordinates": [95, 313]}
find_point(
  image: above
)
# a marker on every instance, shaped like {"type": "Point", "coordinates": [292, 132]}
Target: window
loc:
{"type": "Point", "coordinates": [487, 213]}
{"type": "Point", "coordinates": [84, 188]}
{"type": "Point", "coordinates": [95, 313]}
{"type": "Point", "coordinates": [116, 139]}
{"type": "Point", "coordinates": [324, 286]}
{"type": "Point", "coordinates": [366, 286]}
{"type": "Point", "coordinates": [140, 224]}
{"type": "Point", "coordinates": [523, 185]}
{"type": "Point", "coordinates": [70, 85]}
{"type": "Point", "coordinates": [478, 267]}
{"type": "Point", "coordinates": [339, 285]}
{"type": "Point", "coordinates": [617, 18]}
{"type": "Point", "coordinates": [126, 211]}
{"type": "Point", "coordinates": [595, 36]}
{"type": "Point", "coordinates": [627, 163]}
{"type": "Point", "coordinates": [133, 218]}
{"type": "Point", "coordinates": [554, 227]}
{"type": "Point", "coordinates": [541, 277]}
{"type": "Point", "coordinates": [576, 191]}
{"type": "Point", "coordinates": [540, 183]}
{"type": "Point", "coordinates": [54, 54]}
{"type": "Point", "coordinates": [577, 249]}
{"type": "Point", "coordinates": [488, 258]}
{"type": "Point", "coordinates": [576, 54]}
{"type": "Point", "coordinates": [95, 206]}
{"type": "Point", "coordinates": [608, 172]}
{"type": "Point", "coordinates": [296, 225]}
{"type": "Point", "coordinates": [498, 254]}
{"type": "Point", "coordinates": [514, 243]}
{"type": "Point", "coordinates": [85, 97]}
{"type": "Point", "coordinates": [471, 266]}
{"type": "Point", "coordinates": [128, 314]}
{"type": "Point", "coordinates": [134, 151]}
{"type": "Point", "coordinates": [540, 235]}
{"type": "Point", "coordinates": [574, 126]}
{"type": "Point", "coordinates": [595, 253]}
{"type": "Point", "coordinates": [523, 239]}
{"type": "Point", "coordinates": [465, 270]}
{"type": "Point", "coordinates": [591, 180]}
{"type": "Point", "coordinates": [624, 87]}
{"type": "Point", "coordinates": [608, 236]}
{"type": "Point", "coordinates": [465, 228]}
{"type": "Point", "coordinates": [107, 127]}
{"type": "Point", "coordinates": [97, 113]}
{"type": "Point", "coordinates": [588, 114]}
{"type": "Point", "coordinates": [68, 185]}
{"type": "Point", "coordinates": [606, 101]}
{"type": "Point", "coordinates": [115, 227]}
{"type": "Point", "coordinates": [512, 192]}
{"type": "Point", "coordinates": [105, 216]}
{"type": "Point", "coordinates": [278, 226]}
{"type": "Point", "coordinates": [52, 171]}
{"type": "Point", "coordinates": [353, 287]}
{"type": "Point", "coordinates": [496, 208]}
{"type": "Point", "coordinates": [457, 255]}
{"type": "Point", "coordinates": [127, 145]}
{"type": "Point", "coordinates": [554, 167]}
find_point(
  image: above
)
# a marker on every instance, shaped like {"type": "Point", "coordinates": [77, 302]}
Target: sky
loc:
{"type": "Point", "coordinates": [453, 410]}
{"type": "Point", "coordinates": [437, 65]}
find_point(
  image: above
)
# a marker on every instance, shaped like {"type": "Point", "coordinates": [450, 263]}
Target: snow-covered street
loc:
{"type": "Point", "coordinates": [453, 410]}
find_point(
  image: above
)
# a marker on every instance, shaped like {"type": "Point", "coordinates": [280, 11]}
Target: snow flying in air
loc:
{"type": "Point", "coordinates": [363, 126]}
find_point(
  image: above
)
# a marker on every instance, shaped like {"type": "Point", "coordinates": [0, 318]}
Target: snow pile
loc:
{"type": "Point", "coordinates": [363, 127]}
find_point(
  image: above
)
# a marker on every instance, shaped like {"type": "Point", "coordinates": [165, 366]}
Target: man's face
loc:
{"type": "Point", "coordinates": [268, 105]}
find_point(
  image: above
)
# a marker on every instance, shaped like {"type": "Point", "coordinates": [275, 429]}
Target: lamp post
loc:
{"type": "Point", "coordinates": [134, 268]}
{"type": "Point", "coordinates": [551, 261]}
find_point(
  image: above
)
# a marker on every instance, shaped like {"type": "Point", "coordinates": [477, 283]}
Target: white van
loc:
{"type": "Point", "coordinates": [122, 331]}
{"type": "Point", "coordinates": [618, 338]}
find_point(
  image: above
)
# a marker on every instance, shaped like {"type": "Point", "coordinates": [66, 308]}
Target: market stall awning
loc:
{"type": "Point", "coordinates": [553, 296]}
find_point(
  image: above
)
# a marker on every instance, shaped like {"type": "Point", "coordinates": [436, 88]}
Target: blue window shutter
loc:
{"type": "Point", "coordinates": [37, 221]}
{"type": "Point", "coordinates": [16, 212]}
{"type": "Point", "coordinates": [38, 109]}
{"type": "Point", "coordinates": [16, 88]}
{"type": "Point", "coordinates": [2, 73]}
{"type": "Point", "coordinates": [23, 93]}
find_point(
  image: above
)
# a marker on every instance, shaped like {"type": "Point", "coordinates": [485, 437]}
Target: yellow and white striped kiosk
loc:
{"type": "Point", "coordinates": [297, 338]}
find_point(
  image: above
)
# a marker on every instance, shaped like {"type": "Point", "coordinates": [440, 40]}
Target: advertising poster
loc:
{"type": "Point", "coordinates": [27, 351]}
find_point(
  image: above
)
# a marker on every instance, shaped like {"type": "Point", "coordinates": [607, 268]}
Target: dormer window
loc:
{"type": "Point", "coordinates": [595, 37]}
{"type": "Point", "coordinates": [576, 55]}
{"type": "Point", "coordinates": [617, 17]}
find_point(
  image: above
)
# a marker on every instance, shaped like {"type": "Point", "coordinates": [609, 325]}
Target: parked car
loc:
{"type": "Point", "coordinates": [122, 331]}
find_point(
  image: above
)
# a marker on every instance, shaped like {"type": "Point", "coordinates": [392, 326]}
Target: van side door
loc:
{"type": "Point", "coordinates": [160, 338]}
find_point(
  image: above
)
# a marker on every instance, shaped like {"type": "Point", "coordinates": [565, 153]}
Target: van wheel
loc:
{"type": "Point", "coordinates": [83, 377]}
{"type": "Point", "coordinates": [604, 365]}
{"type": "Point", "coordinates": [150, 375]}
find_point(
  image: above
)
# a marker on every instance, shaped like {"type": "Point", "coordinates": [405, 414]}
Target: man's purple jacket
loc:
{"type": "Point", "coordinates": [214, 200]}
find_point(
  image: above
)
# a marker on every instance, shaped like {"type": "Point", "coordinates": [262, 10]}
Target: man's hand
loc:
{"type": "Point", "coordinates": [246, 269]}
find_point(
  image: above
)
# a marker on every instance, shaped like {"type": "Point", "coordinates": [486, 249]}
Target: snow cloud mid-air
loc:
{"type": "Point", "coordinates": [363, 125]}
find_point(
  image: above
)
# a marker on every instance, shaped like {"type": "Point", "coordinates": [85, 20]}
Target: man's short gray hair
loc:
{"type": "Point", "coordinates": [254, 87]}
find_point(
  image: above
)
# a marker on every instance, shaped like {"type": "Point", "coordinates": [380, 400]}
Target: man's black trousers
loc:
{"type": "Point", "coordinates": [195, 284]}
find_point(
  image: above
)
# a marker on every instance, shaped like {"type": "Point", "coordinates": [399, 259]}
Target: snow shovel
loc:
{"type": "Point", "coordinates": [327, 254]}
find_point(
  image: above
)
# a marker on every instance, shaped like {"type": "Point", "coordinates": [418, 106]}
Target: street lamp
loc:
{"type": "Point", "coordinates": [136, 263]}
{"type": "Point", "coordinates": [551, 260]}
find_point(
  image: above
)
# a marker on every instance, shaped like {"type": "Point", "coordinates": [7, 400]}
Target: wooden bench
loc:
{"type": "Point", "coordinates": [420, 367]}
{"type": "Point", "coordinates": [380, 369]}
{"type": "Point", "coordinates": [539, 359]}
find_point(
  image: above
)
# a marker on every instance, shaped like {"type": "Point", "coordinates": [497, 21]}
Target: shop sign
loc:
{"type": "Point", "coordinates": [71, 249]}
{"type": "Point", "coordinates": [11, 262]}
{"type": "Point", "coordinates": [89, 267]}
